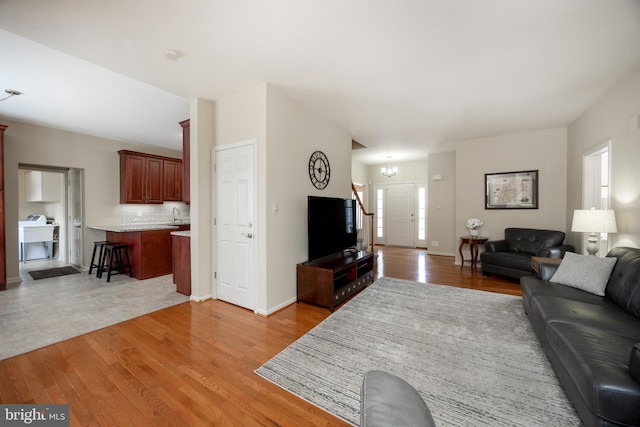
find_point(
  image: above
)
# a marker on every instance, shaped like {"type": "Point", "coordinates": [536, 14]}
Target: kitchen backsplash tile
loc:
{"type": "Point", "coordinates": [154, 214]}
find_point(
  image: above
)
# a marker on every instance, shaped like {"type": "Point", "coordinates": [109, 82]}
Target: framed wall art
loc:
{"type": "Point", "coordinates": [511, 190]}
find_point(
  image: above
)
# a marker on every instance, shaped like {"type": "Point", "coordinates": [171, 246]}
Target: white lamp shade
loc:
{"type": "Point", "coordinates": [594, 221]}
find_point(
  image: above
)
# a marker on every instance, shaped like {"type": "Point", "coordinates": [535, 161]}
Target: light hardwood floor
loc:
{"type": "Point", "coordinates": [192, 364]}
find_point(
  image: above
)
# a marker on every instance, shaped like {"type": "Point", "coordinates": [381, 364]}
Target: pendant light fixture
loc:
{"type": "Point", "coordinates": [389, 171]}
{"type": "Point", "coordinates": [11, 92]}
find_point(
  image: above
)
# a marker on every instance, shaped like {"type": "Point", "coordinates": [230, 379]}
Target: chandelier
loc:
{"type": "Point", "coordinates": [389, 171]}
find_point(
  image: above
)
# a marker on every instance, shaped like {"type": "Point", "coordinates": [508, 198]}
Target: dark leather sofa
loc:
{"type": "Point", "coordinates": [593, 341]}
{"type": "Point", "coordinates": [511, 256]}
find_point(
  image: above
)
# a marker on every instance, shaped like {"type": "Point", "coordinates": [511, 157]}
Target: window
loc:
{"type": "Point", "coordinates": [422, 212]}
{"type": "Point", "coordinates": [380, 212]}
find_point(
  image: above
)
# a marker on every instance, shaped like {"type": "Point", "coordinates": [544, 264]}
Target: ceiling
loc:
{"type": "Point", "coordinates": [404, 77]}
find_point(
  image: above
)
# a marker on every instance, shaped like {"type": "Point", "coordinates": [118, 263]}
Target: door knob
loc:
{"type": "Point", "coordinates": [249, 235]}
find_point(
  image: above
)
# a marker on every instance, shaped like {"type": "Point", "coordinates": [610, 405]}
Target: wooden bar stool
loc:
{"type": "Point", "coordinates": [95, 263]}
{"type": "Point", "coordinates": [115, 260]}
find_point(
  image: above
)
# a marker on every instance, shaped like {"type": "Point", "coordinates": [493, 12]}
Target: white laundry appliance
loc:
{"type": "Point", "coordinates": [35, 237]}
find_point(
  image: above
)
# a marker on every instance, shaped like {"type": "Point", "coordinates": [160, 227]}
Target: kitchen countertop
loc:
{"type": "Point", "coordinates": [185, 233]}
{"type": "Point", "coordinates": [127, 228]}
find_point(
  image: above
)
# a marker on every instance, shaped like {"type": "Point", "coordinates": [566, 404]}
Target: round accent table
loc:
{"type": "Point", "coordinates": [473, 242]}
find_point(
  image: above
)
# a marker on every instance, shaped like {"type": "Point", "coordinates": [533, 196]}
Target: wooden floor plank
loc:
{"type": "Point", "coordinates": [55, 363]}
{"type": "Point", "coordinates": [7, 386]}
{"type": "Point", "coordinates": [192, 364]}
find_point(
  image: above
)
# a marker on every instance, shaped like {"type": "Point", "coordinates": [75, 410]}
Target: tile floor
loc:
{"type": "Point", "coordinates": [36, 313]}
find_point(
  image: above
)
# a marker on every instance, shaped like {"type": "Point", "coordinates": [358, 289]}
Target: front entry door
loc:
{"type": "Point", "coordinates": [236, 224]}
{"type": "Point", "coordinates": [400, 215]}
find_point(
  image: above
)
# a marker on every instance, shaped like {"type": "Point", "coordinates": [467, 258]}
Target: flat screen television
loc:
{"type": "Point", "coordinates": [331, 225]}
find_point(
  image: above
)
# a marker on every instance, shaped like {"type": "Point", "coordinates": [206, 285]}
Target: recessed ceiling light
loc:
{"type": "Point", "coordinates": [172, 54]}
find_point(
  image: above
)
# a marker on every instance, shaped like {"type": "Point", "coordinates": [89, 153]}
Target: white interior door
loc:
{"type": "Point", "coordinates": [75, 216]}
{"type": "Point", "coordinates": [401, 215]}
{"type": "Point", "coordinates": [235, 201]}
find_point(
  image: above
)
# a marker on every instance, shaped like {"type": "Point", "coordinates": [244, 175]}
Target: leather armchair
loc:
{"type": "Point", "coordinates": [511, 256]}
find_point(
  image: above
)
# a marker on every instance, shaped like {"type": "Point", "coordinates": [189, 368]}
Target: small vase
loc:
{"type": "Point", "coordinates": [474, 232]}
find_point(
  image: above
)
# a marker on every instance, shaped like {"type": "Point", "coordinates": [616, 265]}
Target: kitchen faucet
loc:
{"type": "Point", "coordinates": [175, 209]}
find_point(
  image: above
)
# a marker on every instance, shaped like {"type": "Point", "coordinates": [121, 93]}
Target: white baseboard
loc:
{"type": "Point", "coordinates": [439, 253]}
{"type": "Point", "coordinates": [276, 308]}
{"type": "Point", "coordinates": [200, 299]}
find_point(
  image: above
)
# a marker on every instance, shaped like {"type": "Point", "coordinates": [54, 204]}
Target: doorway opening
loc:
{"type": "Point", "coordinates": [595, 187]}
{"type": "Point", "coordinates": [51, 199]}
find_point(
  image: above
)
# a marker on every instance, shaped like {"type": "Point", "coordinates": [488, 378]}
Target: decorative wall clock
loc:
{"type": "Point", "coordinates": [319, 170]}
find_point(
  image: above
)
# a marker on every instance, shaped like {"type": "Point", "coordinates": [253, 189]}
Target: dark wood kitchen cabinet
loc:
{"type": "Point", "coordinates": [147, 178]}
{"type": "Point", "coordinates": [181, 248]}
{"type": "Point", "coordinates": [141, 177]}
{"type": "Point", "coordinates": [150, 251]}
{"type": "Point", "coordinates": [186, 160]}
{"type": "Point", "coordinates": [172, 184]}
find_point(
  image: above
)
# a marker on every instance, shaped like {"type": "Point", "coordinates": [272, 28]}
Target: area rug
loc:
{"type": "Point", "coordinates": [472, 356]}
{"type": "Point", "coordinates": [52, 272]}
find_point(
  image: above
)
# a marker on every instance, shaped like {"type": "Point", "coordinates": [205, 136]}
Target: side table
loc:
{"type": "Point", "coordinates": [473, 242]}
{"type": "Point", "coordinates": [537, 260]}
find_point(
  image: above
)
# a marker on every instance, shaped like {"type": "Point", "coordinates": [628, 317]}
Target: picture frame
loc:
{"type": "Point", "coordinates": [511, 190]}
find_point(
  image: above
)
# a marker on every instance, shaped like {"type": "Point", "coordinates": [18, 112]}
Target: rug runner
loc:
{"type": "Point", "coordinates": [52, 272]}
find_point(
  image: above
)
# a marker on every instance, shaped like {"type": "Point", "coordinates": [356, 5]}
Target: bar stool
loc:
{"type": "Point", "coordinates": [96, 263]}
{"type": "Point", "coordinates": [115, 260]}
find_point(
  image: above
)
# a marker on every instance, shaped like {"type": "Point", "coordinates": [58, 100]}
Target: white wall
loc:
{"type": "Point", "coordinates": [98, 158]}
{"type": "Point", "coordinates": [412, 171]}
{"type": "Point", "coordinates": [239, 118]}
{"type": "Point", "coordinates": [359, 172]}
{"type": "Point", "coordinates": [441, 206]}
{"type": "Point", "coordinates": [607, 120]}
{"type": "Point", "coordinates": [294, 132]}
{"type": "Point", "coordinates": [360, 176]}
{"type": "Point", "coordinates": [287, 133]}
{"type": "Point", "coordinates": [201, 131]}
{"type": "Point", "coordinates": [544, 150]}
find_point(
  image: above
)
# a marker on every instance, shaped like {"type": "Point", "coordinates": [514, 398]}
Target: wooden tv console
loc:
{"type": "Point", "coordinates": [331, 280]}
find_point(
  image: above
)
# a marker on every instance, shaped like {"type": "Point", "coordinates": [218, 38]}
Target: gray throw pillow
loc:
{"type": "Point", "coordinates": [586, 272]}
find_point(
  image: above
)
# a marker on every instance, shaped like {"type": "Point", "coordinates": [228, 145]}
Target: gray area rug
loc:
{"type": "Point", "coordinates": [472, 356]}
{"type": "Point", "coordinates": [52, 272]}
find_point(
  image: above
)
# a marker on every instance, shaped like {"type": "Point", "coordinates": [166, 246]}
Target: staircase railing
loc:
{"type": "Point", "coordinates": [364, 219]}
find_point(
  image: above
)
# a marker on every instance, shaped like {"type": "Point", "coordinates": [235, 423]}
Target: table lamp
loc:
{"type": "Point", "coordinates": [594, 222]}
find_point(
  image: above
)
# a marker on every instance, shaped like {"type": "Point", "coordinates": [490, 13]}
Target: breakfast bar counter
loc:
{"type": "Point", "coordinates": [127, 228]}
{"type": "Point", "coordinates": [149, 246]}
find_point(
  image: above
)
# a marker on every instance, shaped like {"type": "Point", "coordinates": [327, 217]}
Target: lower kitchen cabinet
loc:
{"type": "Point", "coordinates": [150, 251]}
{"type": "Point", "coordinates": [181, 244]}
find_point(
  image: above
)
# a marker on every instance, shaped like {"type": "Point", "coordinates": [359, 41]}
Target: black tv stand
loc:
{"type": "Point", "coordinates": [331, 280]}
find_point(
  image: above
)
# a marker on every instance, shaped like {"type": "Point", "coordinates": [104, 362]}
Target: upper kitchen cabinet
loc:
{"type": "Point", "coordinates": [43, 186]}
{"type": "Point", "coordinates": [186, 160]}
{"type": "Point", "coordinates": [141, 177]}
{"type": "Point", "coordinates": [172, 180]}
